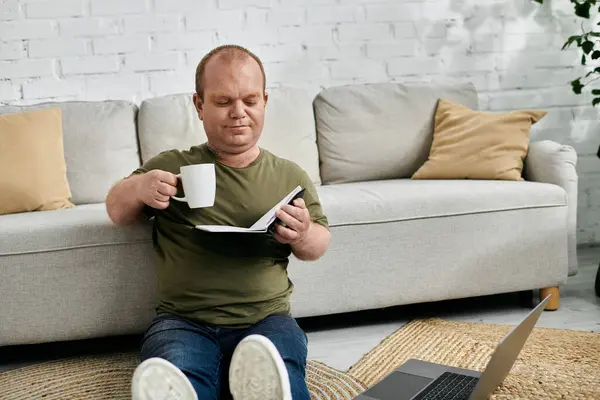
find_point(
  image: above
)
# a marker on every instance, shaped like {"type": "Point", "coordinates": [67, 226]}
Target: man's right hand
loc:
{"type": "Point", "coordinates": [155, 187]}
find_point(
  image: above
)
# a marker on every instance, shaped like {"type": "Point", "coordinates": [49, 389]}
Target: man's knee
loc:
{"type": "Point", "coordinates": [187, 347]}
{"type": "Point", "coordinates": [292, 344]}
{"type": "Point", "coordinates": [289, 339]}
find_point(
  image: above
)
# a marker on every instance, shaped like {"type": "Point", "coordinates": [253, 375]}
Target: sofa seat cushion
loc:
{"type": "Point", "coordinates": [405, 199]}
{"type": "Point", "coordinates": [83, 226]}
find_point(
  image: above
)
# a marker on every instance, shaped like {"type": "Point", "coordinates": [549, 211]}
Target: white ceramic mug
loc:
{"type": "Point", "coordinates": [199, 185]}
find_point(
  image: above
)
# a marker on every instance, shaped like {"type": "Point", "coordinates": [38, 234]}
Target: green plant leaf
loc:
{"type": "Point", "coordinates": [571, 39]}
{"type": "Point", "coordinates": [596, 55]}
{"type": "Point", "coordinates": [583, 59]}
{"type": "Point", "coordinates": [594, 34]}
{"type": "Point", "coordinates": [597, 70]}
{"type": "Point", "coordinates": [596, 92]}
{"type": "Point", "coordinates": [582, 10]}
{"type": "Point", "coordinates": [587, 46]}
{"type": "Point", "coordinates": [539, 1]}
{"type": "Point", "coordinates": [596, 101]}
{"type": "Point", "coordinates": [577, 86]}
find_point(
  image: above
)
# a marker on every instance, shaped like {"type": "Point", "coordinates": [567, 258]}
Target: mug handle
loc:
{"type": "Point", "coordinates": [182, 199]}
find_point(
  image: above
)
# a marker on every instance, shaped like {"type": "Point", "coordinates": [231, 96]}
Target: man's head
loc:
{"type": "Point", "coordinates": [230, 98]}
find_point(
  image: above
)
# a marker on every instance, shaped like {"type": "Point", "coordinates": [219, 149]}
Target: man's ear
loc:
{"type": "Point", "coordinates": [199, 106]}
{"type": "Point", "coordinates": [266, 98]}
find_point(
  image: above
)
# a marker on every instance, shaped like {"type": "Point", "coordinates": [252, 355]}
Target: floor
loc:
{"type": "Point", "coordinates": [341, 340]}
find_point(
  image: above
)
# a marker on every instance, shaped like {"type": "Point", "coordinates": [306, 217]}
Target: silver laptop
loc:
{"type": "Point", "coordinates": [420, 380]}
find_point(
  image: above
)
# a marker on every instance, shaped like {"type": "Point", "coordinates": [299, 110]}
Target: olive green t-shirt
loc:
{"type": "Point", "coordinates": [226, 279]}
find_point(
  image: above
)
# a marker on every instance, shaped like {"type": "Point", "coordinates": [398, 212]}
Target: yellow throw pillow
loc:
{"type": "Point", "coordinates": [33, 173]}
{"type": "Point", "coordinates": [470, 144]}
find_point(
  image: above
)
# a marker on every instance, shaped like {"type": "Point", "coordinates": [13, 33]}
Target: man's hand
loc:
{"type": "Point", "coordinates": [297, 222]}
{"type": "Point", "coordinates": [155, 187]}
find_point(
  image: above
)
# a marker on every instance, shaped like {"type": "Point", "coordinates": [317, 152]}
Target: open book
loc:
{"type": "Point", "coordinates": [264, 224]}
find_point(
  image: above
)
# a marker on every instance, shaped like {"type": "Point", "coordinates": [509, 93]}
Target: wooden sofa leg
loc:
{"type": "Point", "coordinates": [554, 302]}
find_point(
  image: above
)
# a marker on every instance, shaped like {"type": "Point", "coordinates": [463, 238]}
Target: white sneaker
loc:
{"type": "Point", "coordinates": [158, 379]}
{"type": "Point", "coordinates": [257, 371]}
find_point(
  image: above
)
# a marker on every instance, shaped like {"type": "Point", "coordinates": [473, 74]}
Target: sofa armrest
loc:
{"type": "Point", "coordinates": [550, 162]}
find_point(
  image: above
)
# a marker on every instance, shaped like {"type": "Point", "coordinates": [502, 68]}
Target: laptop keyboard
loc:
{"type": "Point", "coordinates": [449, 386]}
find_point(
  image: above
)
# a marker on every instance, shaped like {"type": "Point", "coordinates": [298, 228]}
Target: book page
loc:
{"type": "Point", "coordinates": [259, 226]}
{"type": "Point", "coordinates": [269, 217]}
{"type": "Point", "coordinates": [226, 228]}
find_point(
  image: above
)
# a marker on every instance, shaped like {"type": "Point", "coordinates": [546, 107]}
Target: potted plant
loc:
{"type": "Point", "coordinates": [586, 42]}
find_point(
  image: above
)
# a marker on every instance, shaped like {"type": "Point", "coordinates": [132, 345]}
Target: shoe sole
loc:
{"type": "Point", "coordinates": [257, 371]}
{"type": "Point", "coordinates": [158, 379]}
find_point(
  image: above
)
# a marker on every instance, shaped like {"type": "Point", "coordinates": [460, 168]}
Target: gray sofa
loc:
{"type": "Point", "coordinates": [72, 274]}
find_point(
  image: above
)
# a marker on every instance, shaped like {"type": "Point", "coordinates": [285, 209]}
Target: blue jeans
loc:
{"type": "Point", "coordinates": [203, 352]}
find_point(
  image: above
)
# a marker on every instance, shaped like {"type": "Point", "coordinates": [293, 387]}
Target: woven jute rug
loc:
{"type": "Point", "coordinates": [554, 364]}
{"type": "Point", "coordinates": [109, 377]}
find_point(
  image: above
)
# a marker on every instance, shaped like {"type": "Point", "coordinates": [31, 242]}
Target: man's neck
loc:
{"type": "Point", "coordinates": [240, 160]}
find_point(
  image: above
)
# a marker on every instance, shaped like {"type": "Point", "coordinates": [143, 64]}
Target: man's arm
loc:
{"type": "Point", "coordinates": [122, 203]}
{"type": "Point", "coordinates": [314, 245]}
{"type": "Point", "coordinates": [127, 198]}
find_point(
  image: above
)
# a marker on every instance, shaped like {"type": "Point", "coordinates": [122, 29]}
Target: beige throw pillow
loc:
{"type": "Point", "coordinates": [470, 144]}
{"type": "Point", "coordinates": [33, 173]}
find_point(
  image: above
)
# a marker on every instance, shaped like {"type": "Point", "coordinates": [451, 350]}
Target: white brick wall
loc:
{"type": "Point", "coordinates": [55, 9]}
{"type": "Point", "coordinates": [40, 87]}
{"type": "Point", "coordinates": [26, 68]}
{"type": "Point", "coordinates": [89, 65]}
{"type": "Point", "coordinates": [117, 7]}
{"type": "Point", "coordinates": [27, 29]}
{"type": "Point", "coordinates": [121, 45]}
{"type": "Point", "coordinates": [87, 27]}
{"type": "Point", "coordinates": [11, 50]}
{"type": "Point", "coordinates": [57, 47]}
{"type": "Point", "coordinates": [9, 9]}
{"type": "Point", "coordinates": [134, 49]}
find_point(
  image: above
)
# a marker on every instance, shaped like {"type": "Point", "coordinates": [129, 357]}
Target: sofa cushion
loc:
{"type": "Point", "coordinates": [100, 144]}
{"type": "Point", "coordinates": [406, 199]}
{"type": "Point", "coordinates": [86, 225]}
{"type": "Point", "coordinates": [470, 144]}
{"type": "Point", "coordinates": [171, 122]}
{"type": "Point", "coordinates": [379, 131]}
{"type": "Point", "coordinates": [32, 161]}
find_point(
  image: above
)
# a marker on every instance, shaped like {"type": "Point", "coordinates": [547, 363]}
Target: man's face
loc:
{"type": "Point", "coordinates": [233, 108]}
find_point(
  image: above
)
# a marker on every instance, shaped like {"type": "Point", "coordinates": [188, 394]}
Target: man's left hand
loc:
{"type": "Point", "coordinates": [297, 222]}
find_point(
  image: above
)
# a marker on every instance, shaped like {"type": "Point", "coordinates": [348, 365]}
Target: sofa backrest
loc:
{"type": "Point", "coordinates": [100, 144]}
{"type": "Point", "coordinates": [171, 122]}
{"type": "Point", "coordinates": [379, 130]}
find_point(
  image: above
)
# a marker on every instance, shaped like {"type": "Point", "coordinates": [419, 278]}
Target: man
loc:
{"type": "Point", "coordinates": [223, 324]}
